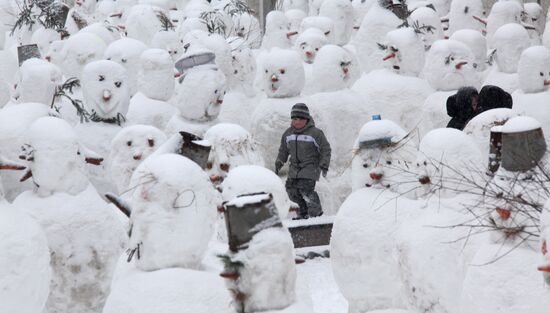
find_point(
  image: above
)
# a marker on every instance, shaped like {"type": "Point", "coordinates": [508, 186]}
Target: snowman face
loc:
{"type": "Point", "coordinates": [79, 50]}
{"type": "Point", "coordinates": [534, 69]}
{"type": "Point", "coordinates": [53, 53]}
{"type": "Point", "coordinates": [244, 64]}
{"type": "Point", "coordinates": [450, 66]}
{"type": "Point", "coordinates": [308, 46]}
{"type": "Point", "coordinates": [275, 78]}
{"type": "Point", "coordinates": [393, 58]}
{"type": "Point", "coordinates": [169, 41]}
{"type": "Point", "coordinates": [105, 88]}
{"type": "Point", "coordinates": [85, 6]}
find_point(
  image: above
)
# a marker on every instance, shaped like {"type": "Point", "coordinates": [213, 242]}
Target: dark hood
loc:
{"type": "Point", "coordinates": [492, 97]}
{"type": "Point", "coordinates": [460, 105]}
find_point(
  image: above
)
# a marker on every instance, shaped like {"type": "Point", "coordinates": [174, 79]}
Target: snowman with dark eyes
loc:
{"type": "Point", "coordinates": [106, 98]}
{"type": "Point", "coordinates": [126, 52]}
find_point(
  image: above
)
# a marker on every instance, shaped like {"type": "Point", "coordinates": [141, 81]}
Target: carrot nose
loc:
{"type": "Point", "coordinates": [424, 180]}
{"type": "Point", "coordinates": [309, 54]}
{"type": "Point", "coordinates": [137, 157]}
{"type": "Point", "coordinates": [219, 101]}
{"type": "Point", "coordinates": [479, 19]}
{"type": "Point", "coordinates": [215, 178]}
{"type": "Point", "coordinates": [346, 70]}
{"type": "Point", "coordinates": [389, 56]}
{"type": "Point", "coordinates": [503, 213]}
{"type": "Point", "coordinates": [290, 34]}
{"type": "Point", "coordinates": [460, 64]}
{"type": "Point", "coordinates": [274, 78]}
{"type": "Point", "coordinates": [546, 82]}
{"type": "Point", "coordinates": [375, 176]}
{"type": "Point", "coordinates": [48, 58]}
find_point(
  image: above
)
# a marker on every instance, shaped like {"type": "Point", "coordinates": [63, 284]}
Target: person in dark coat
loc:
{"type": "Point", "coordinates": [461, 107]}
{"type": "Point", "coordinates": [492, 97]}
{"type": "Point", "coordinates": [309, 152]}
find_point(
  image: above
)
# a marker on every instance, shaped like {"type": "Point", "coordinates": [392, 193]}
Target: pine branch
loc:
{"type": "Point", "coordinates": [165, 21]}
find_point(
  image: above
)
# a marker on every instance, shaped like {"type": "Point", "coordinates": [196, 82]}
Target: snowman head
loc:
{"type": "Point", "coordinates": [445, 159]}
{"type": "Point", "coordinates": [449, 66]}
{"type": "Point", "coordinates": [43, 37]}
{"type": "Point", "coordinates": [232, 146]}
{"type": "Point", "coordinates": [309, 42]}
{"type": "Point", "coordinates": [105, 89]}
{"type": "Point", "coordinates": [282, 74]}
{"type": "Point", "coordinates": [79, 50]}
{"type": "Point", "coordinates": [37, 81]}
{"type": "Point", "coordinates": [534, 69]}
{"type": "Point", "coordinates": [129, 148]}
{"type": "Point", "coordinates": [169, 41]}
{"type": "Point", "coordinates": [477, 43]}
{"type": "Point", "coordinates": [404, 52]}
{"type": "Point", "coordinates": [53, 53]}
{"type": "Point", "coordinates": [156, 74]}
{"type": "Point", "coordinates": [107, 34]}
{"type": "Point", "coordinates": [126, 52]}
{"type": "Point", "coordinates": [428, 17]}
{"type": "Point", "coordinates": [338, 64]}
{"type": "Point", "coordinates": [54, 156]}
{"type": "Point", "coordinates": [466, 14]}
{"type": "Point", "coordinates": [247, 27]}
{"type": "Point", "coordinates": [534, 16]}
{"type": "Point", "coordinates": [509, 41]}
{"type": "Point", "coordinates": [242, 60]}
{"type": "Point", "coordinates": [382, 156]}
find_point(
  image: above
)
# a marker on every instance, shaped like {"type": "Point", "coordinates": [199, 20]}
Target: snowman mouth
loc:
{"type": "Point", "coordinates": [396, 67]}
{"type": "Point", "coordinates": [546, 82]}
{"type": "Point", "coordinates": [274, 87]}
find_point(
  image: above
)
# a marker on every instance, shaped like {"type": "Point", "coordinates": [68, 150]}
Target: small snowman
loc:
{"type": "Point", "coordinates": [80, 15]}
{"type": "Point", "coordinates": [197, 110]}
{"type": "Point", "coordinates": [126, 52]}
{"type": "Point", "coordinates": [143, 21]}
{"type": "Point", "coordinates": [341, 12]}
{"type": "Point", "coordinates": [155, 80]}
{"type": "Point", "coordinates": [309, 42]}
{"type": "Point", "coordinates": [79, 50]}
{"type": "Point", "coordinates": [533, 15]}
{"type": "Point", "coordinates": [43, 38]}
{"type": "Point", "coordinates": [277, 33]}
{"type": "Point", "coordinates": [232, 146]}
{"type": "Point", "coordinates": [173, 212]}
{"type": "Point", "coordinates": [509, 42]}
{"type": "Point", "coordinates": [282, 79]}
{"type": "Point", "coordinates": [85, 235]}
{"type": "Point", "coordinates": [534, 79]}
{"type": "Point", "coordinates": [466, 14]}
{"type": "Point", "coordinates": [449, 67]}
{"type": "Point", "coordinates": [477, 43]}
{"type": "Point", "coordinates": [247, 26]}
{"type": "Point", "coordinates": [323, 23]}
{"type": "Point", "coordinates": [25, 262]}
{"type": "Point", "coordinates": [295, 18]}
{"type": "Point", "coordinates": [129, 148]}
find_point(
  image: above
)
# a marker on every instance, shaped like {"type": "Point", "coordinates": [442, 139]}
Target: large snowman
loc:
{"type": "Point", "coordinates": [173, 213]}
{"type": "Point", "coordinates": [363, 239]}
{"type": "Point", "coordinates": [85, 235]}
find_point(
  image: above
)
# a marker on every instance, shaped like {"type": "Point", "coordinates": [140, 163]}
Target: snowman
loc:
{"type": "Point", "coordinates": [341, 13]}
{"type": "Point", "coordinates": [277, 33]}
{"type": "Point", "coordinates": [449, 67]}
{"type": "Point", "coordinates": [382, 154]}
{"type": "Point", "coordinates": [282, 79]}
{"type": "Point", "coordinates": [53, 54]}
{"type": "Point", "coordinates": [197, 110]}
{"type": "Point", "coordinates": [155, 80]}
{"type": "Point", "coordinates": [106, 95]}
{"type": "Point", "coordinates": [466, 14]}
{"type": "Point", "coordinates": [26, 283]}
{"type": "Point", "coordinates": [129, 148]}
{"type": "Point", "coordinates": [477, 43]}
{"type": "Point", "coordinates": [84, 234]}
{"type": "Point", "coordinates": [533, 14]}
{"type": "Point", "coordinates": [247, 26]}
{"type": "Point", "coordinates": [503, 275]}
{"type": "Point", "coordinates": [509, 41]}
{"type": "Point", "coordinates": [295, 18]}
{"type": "Point", "coordinates": [403, 57]}
{"type": "Point", "coordinates": [376, 24]}
{"type": "Point", "coordinates": [79, 50]}
{"type": "Point", "coordinates": [261, 271]}
{"type": "Point", "coordinates": [37, 82]}
{"type": "Point", "coordinates": [232, 146]}
{"type": "Point", "coordinates": [534, 79]}
{"type": "Point", "coordinates": [126, 52]}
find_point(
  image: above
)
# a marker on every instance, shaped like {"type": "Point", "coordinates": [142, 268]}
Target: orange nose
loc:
{"type": "Point", "coordinates": [460, 64]}
{"type": "Point", "coordinates": [375, 176]}
{"type": "Point", "coordinates": [389, 56]}
{"type": "Point", "coordinates": [309, 54]}
{"type": "Point", "coordinates": [215, 178]}
{"type": "Point", "coordinates": [106, 98]}
{"type": "Point", "coordinates": [219, 101]}
{"type": "Point", "coordinates": [346, 70]}
{"type": "Point", "coordinates": [274, 78]}
{"type": "Point", "coordinates": [546, 82]}
{"type": "Point", "coordinates": [503, 213]}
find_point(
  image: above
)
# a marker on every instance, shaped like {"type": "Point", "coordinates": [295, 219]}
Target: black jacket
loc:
{"type": "Point", "coordinates": [459, 107]}
{"type": "Point", "coordinates": [492, 97]}
{"type": "Point", "coordinates": [309, 151]}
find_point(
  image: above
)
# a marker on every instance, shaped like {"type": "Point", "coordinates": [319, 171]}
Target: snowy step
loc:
{"type": "Point", "coordinates": [311, 232]}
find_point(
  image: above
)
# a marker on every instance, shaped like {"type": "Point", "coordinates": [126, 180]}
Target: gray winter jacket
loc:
{"type": "Point", "coordinates": [309, 151]}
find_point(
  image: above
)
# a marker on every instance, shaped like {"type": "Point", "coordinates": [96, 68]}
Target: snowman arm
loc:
{"type": "Point", "coordinates": [282, 157]}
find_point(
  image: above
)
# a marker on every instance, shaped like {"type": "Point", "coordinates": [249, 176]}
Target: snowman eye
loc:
{"type": "Point", "coordinates": [466, 9]}
{"type": "Point", "coordinates": [541, 74]}
{"type": "Point", "coordinates": [123, 60]}
{"type": "Point", "coordinates": [186, 46]}
{"type": "Point", "coordinates": [118, 84]}
{"type": "Point", "coordinates": [216, 91]}
{"type": "Point", "coordinates": [224, 167]}
{"type": "Point", "coordinates": [129, 143]}
{"type": "Point", "coordinates": [388, 162]}
{"type": "Point", "coordinates": [266, 71]}
{"type": "Point", "coordinates": [209, 165]}
{"type": "Point", "coordinates": [425, 163]}
{"type": "Point", "coordinates": [101, 78]}
{"type": "Point", "coordinates": [151, 142]}
{"type": "Point", "coordinates": [316, 49]}
{"type": "Point", "coordinates": [365, 165]}
{"type": "Point", "coordinates": [282, 71]}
